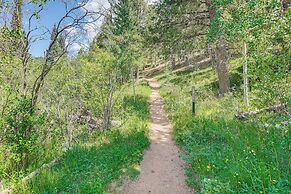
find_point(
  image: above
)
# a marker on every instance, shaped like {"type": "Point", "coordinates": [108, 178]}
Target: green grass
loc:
{"type": "Point", "coordinates": [223, 154]}
{"type": "Point", "coordinates": [91, 167]}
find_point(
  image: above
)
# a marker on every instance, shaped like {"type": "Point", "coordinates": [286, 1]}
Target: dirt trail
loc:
{"type": "Point", "coordinates": [162, 169]}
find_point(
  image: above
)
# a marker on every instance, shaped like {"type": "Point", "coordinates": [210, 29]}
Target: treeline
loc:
{"type": "Point", "coordinates": [248, 44]}
{"type": "Point", "coordinates": [255, 32]}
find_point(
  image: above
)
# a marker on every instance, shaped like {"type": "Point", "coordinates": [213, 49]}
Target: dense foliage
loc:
{"type": "Point", "coordinates": [91, 108]}
{"type": "Point", "coordinates": [48, 104]}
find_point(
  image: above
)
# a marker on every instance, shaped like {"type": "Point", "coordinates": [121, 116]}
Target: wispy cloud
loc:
{"type": "Point", "coordinates": [87, 33]}
{"type": "Point", "coordinates": [153, 1]}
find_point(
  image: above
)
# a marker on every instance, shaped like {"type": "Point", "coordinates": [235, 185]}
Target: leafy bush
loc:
{"type": "Point", "coordinates": [21, 134]}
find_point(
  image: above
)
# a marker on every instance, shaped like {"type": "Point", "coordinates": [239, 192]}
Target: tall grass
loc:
{"type": "Point", "coordinates": [226, 155]}
{"type": "Point", "coordinates": [89, 167]}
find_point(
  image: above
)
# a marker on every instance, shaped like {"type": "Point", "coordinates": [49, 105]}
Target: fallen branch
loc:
{"type": "Point", "coordinates": [275, 108]}
{"type": "Point", "coordinates": [37, 171]}
{"type": "Point", "coordinates": [33, 174]}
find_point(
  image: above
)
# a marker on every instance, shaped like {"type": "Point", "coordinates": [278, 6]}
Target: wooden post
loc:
{"type": "Point", "coordinates": [193, 100]}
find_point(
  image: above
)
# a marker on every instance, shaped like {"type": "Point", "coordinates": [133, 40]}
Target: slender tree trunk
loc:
{"type": "Point", "coordinates": [108, 107]}
{"type": "Point", "coordinates": [245, 76]}
{"type": "Point", "coordinates": [25, 59]}
{"type": "Point", "coordinates": [107, 113]}
{"type": "Point", "coordinates": [137, 74]}
{"type": "Point", "coordinates": [17, 15]}
{"type": "Point", "coordinates": [21, 43]}
{"type": "Point", "coordinates": [222, 66]}
{"type": "Point", "coordinates": [211, 52]}
{"type": "Point", "coordinates": [133, 83]}
{"type": "Point", "coordinates": [219, 56]}
{"type": "Point", "coordinates": [173, 61]}
{"type": "Point", "coordinates": [24, 79]}
{"type": "Point", "coordinates": [69, 129]}
{"type": "Point", "coordinates": [25, 161]}
{"type": "Point", "coordinates": [187, 60]}
{"type": "Point", "coordinates": [284, 6]}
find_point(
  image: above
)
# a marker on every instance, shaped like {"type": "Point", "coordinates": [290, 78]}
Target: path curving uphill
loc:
{"type": "Point", "coordinates": [162, 168]}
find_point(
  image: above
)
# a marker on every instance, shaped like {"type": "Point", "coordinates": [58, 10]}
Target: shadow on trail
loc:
{"type": "Point", "coordinates": [137, 106]}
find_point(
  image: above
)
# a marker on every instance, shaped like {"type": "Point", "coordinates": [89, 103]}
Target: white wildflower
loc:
{"type": "Point", "coordinates": [267, 125]}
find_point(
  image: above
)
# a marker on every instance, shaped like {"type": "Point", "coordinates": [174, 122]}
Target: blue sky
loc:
{"type": "Point", "coordinates": [53, 12]}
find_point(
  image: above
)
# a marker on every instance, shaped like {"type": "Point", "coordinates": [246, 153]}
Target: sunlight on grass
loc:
{"type": "Point", "coordinates": [225, 155]}
{"type": "Point", "coordinates": [92, 166]}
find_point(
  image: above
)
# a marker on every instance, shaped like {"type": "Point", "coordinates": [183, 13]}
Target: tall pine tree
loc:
{"type": "Point", "coordinates": [58, 47]}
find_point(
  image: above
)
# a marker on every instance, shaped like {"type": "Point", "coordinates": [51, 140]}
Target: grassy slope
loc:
{"type": "Point", "coordinates": [226, 155]}
{"type": "Point", "coordinates": [90, 168]}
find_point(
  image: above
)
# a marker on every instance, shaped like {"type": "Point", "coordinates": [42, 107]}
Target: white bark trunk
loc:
{"type": "Point", "coordinates": [133, 84]}
{"type": "Point", "coordinates": [245, 76]}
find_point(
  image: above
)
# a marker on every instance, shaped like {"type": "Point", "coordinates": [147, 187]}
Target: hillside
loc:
{"type": "Point", "coordinates": [225, 154]}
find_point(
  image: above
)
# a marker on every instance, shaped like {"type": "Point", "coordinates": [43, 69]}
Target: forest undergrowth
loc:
{"type": "Point", "coordinates": [100, 158]}
{"type": "Point", "coordinates": [224, 154]}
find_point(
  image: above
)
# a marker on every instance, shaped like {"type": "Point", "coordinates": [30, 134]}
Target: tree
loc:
{"type": "Point", "coordinates": [126, 29]}
{"type": "Point", "coordinates": [59, 45]}
{"type": "Point", "coordinates": [260, 27]}
{"type": "Point", "coordinates": [23, 118]}
{"type": "Point", "coordinates": [17, 15]}
{"type": "Point", "coordinates": [198, 21]}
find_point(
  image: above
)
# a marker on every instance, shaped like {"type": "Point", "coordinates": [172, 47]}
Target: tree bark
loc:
{"type": "Point", "coordinates": [173, 61]}
{"type": "Point", "coordinates": [222, 66]}
{"type": "Point", "coordinates": [219, 56]}
{"type": "Point", "coordinates": [137, 74]}
{"type": "Point", "coordinates": [285, 6]}
{"type": "Point", "coordinates": [17, 15]}
{"type": "Point", "coordinates": [245, 76]}
{"type": "Point", "coordinates": [108, 107]}
{"type": "Point", "coordinates": [133, 83]}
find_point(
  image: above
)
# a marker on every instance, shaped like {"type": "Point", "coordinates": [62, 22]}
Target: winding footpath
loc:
{"type": "Point", "coordinates": [162, 168]}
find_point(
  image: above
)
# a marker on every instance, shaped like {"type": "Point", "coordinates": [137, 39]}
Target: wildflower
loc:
{"type": "Point", "coordinates": [278, 126]}
{"type": "Point", "coordinates": [285, 123]}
